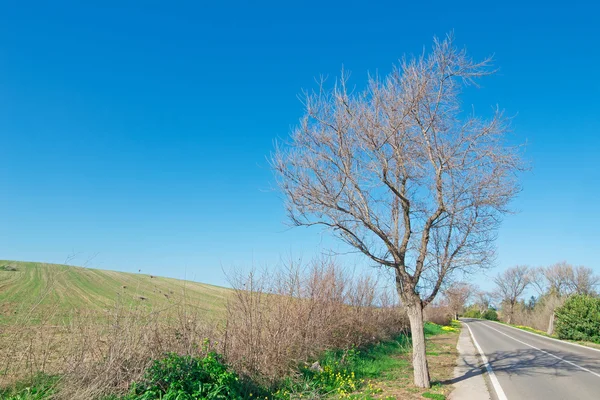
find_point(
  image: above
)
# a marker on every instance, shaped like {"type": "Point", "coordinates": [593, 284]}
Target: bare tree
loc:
{"type": "Point", "coordinates": [483, 301]}
{"type": "Point", "coordinates": [554, 279]}
{"type": "Point", "coordinates": [583, 281]}
{"type": "Point", "coordinates": [562, 279]}
{"type": "Point", "coordinates": [401, 174]}
{"type": "Point", "coordinates": [458, 294]}
{"type": "Point", "coordinates": [510, 285]}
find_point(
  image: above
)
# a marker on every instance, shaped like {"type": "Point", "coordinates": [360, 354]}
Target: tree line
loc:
{"type": "Point", "coordinates": [548, 289]}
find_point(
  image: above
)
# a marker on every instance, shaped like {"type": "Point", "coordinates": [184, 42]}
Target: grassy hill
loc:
{"type": "Point", "coordinates": [31, 285]}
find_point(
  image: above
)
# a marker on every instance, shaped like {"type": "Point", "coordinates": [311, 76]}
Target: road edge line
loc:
{"type": "Point", "coordinates": [495, 383]}
{"type": "Point", "coordinates": [545, 337]}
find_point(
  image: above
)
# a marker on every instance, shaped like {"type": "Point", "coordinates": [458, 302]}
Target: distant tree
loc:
{"type": "Point", "coordinates": [457, 295]}
{"type": "Point", "coordinates": [583, 281]}
{"type": "Point", "coordinates": [510, 285]}
{"type": "Point", "coordinates": [483, 300]}
{"type": "Point", "coordinates": [554, 279]}
{"type": "Point", "coordinates": [400, 173]}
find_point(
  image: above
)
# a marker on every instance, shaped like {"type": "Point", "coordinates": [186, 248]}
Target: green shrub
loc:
{"type": "Point", "coordinates": [490, 314]}
{"type": "Point", "coordinates": [579, 319]}
{"type": "Point", "coordinates": [472, 314]}
{"type": "Point", "coordinates": [187, 377]}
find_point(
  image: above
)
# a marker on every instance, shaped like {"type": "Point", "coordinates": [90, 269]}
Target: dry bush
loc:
{"type": "Point", "coordinates": [97, 354]}
{"type": "Point", "coordinates": [277, 321]}
{"type": "Point", "coordinates": [541, 316]}
{"type": "Point", "coordinates": [440, 314]}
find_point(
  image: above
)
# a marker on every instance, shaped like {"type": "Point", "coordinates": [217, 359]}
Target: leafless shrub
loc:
{"type": "Point", "coordinates": [439, 313]}
{"type": "Point", "coordinates": [540, 315]}
{"type": "Point", "coordinates": [277, 321]}
{"type": "Point", "coordinates": [97, 354]}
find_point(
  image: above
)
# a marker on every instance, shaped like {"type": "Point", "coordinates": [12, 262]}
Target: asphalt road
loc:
{"type": "Point", "coordinates": [530, 367]}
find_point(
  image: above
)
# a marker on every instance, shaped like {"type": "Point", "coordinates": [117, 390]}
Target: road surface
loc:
{"type": "Point", "coordinates": [530, 367]}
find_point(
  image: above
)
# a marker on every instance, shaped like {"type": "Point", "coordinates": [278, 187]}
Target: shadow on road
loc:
{"type": "Point", "coordinates": [529, 362]}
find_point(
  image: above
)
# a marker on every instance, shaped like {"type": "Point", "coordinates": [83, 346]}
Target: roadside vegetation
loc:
{"type": "Point", "coordinates": [567, 305]}
{"type": "Point", "coordinates": [307, 331]}
{"type": "Point", "coordinates": [489, 314]}
{"type": "Point", "coordinates": [552, 287]}
{"type": "Point", "coordinates": [375, 371]}
{"type": "Point", "coordinates": [579, 319]}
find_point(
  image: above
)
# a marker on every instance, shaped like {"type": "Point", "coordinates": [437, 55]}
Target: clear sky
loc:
{"type": "Point", "coordinates": [139, 132]}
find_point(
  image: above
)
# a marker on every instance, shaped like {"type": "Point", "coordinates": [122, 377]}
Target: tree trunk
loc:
{"type": "Point", "coordinates": [421, 370]}
{"type": "Point", "coordinates": [510, 314]}
{"type": "Point", "coordinates": [550, 330]}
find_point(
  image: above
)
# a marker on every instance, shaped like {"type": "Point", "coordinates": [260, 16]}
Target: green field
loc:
{"type": "Point", "coordinates": [62, 289]}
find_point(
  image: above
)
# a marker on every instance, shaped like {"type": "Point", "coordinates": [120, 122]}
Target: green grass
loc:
{"type": "Point", "coordinates": [38, 387]}
{"type": "Point", "coordinates": [372, 361]}
{"type": "Point", "coordinates": [434, 396]}
{"type": "Point", "coordinates": [432, 329]}
{"type": "Point", "coordinates": [359, 373]}
{"type": "Point", "coordinates": [31, 285]}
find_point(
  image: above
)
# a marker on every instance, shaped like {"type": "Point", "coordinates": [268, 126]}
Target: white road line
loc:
{"type": "Point", "coordinates": [545, 352]}
{"type": "Point", "coordinates": [488, 367]}
{"type": "Point", "coordinates": [549, 338]}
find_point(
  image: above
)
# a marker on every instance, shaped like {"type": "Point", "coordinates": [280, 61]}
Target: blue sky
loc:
{"type": "Point", "coordinates": [139, 132]}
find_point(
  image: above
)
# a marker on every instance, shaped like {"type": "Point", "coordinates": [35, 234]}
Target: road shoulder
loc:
{"type": "Point", "coordinates": [469, 381]}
